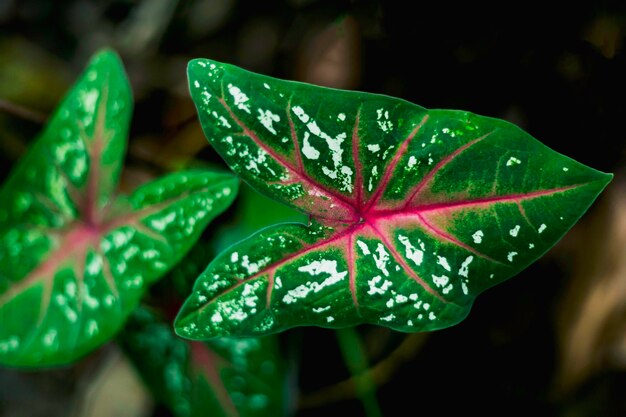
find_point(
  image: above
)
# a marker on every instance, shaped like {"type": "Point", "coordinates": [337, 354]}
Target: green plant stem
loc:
{"type": "Point", "coordinates": [356, 361]}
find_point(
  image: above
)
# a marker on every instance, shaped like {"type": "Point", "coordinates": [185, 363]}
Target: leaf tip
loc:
{"type": "Point", "coordinates": [202, 71]}
{"type": "Point", "coordinates": [106, 58]}
{"type": "Point", "coordinates": [107, 66]}
{"type": "Point", "coordinates": [183, 325]}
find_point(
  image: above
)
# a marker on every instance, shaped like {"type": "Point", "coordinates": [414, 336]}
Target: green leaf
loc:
{"type": "Point", "coordinates": [74, 261]}
{"type": "Point", "coordinates": [223, 377]}
{"type": "Point", "coordinates": [414, 212]}
{"type": "Point", "coordinates": [251, 213]}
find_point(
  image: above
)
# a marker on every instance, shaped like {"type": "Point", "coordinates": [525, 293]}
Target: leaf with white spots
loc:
{"type": "Point", "coordinates": [75, 260]}
{"type": "Point", "coordinates": [433, 206]}
{"type": "Point", "coordinates": [243, 377]}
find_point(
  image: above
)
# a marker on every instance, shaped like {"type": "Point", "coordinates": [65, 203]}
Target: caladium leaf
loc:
{"type": "Point", "coordinates": [73, 261]}
{"type": "Point", "coordinates": [414, 212]}
{"type": "Point", "coordinates": [221, 377]}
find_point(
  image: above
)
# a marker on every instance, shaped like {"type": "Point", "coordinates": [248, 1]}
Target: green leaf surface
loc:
{"type": "Point", "coordinates": [74, 261]}
{"type": "Point", "coordinates": [251, 212]}
{"type": "Point", "coordinates": [414, 212]}
{"type": "Point", "coordinates": [222, 377]}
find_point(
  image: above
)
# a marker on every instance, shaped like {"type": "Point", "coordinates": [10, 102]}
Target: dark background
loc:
{"type": "Point", "coordinates": [550, 342]}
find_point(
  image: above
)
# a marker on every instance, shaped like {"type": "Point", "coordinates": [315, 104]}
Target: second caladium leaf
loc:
{"type": "Point", "coordinates": [414, 212]}
{"type": "Point", "coordinates": [74, 261]}
{"type": "Point", "coordinates": [230, 377]}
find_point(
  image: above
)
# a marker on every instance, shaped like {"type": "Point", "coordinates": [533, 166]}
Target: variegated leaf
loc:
{"type": "Point", "coordinates": [74, 261]}
{"type": "Point", "coordinates": [414, 211]}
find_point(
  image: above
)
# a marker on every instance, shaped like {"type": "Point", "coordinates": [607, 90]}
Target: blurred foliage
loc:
{"type": "Point", "coordinates": [559, 74]}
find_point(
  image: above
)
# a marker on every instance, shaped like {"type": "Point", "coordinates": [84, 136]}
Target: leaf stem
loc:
{"type": "Point", "coordinates": [22, 112]}
{"type": "Point", "coordinates": [380, 373]}
{"type": "Point", "coordinates": [356, 361]}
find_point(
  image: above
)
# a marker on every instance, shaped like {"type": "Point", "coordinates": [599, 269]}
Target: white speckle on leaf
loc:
{"type": "Point", "coordinates": [542, 228]}
{"type": "Point", "coordinates": [266, 85]}
{"type": "Point", "coordinates": [267, 118]}
{"type": "Point", "coordinates": [150, 254]}
{"type": "Point", "coordinates": [70, 314]}
{"type": "Point", "coordinates": [234, 257]}
{"type": "Point", "coordinates": [241, 99]}
{"type": "Point", "coordinates": [334, 146]}
{"type": "Point", "coordinates": [217, 317]}
{"type": "Point", "coordinates": [374, 288]}
{"type": "Point", "coordinates": [382, 259]}
{"type": "Point", "coordinates": [374, 175]}
{"type": "Point", "coordinates": [158, 224]}
{"type": "Point", "coordinates": [238, 315]}
{"type": "Point", "coordinates": [50, 337]}
{"type": "Point", "coordinates": [513, 161]}
{"type": "Point", "coordinates": [531, 245]}
{"type": "Point", "coordinates": [514, 231]}
{"type": "Point", "coordinates": [89, 99]}
{"type": "Point", "coordinates": [412, 161]}
{"type": "Point", "coordinates": [320, 309]}
{"type": "Point", "coordinates": [441, 281]}
{"type": "Point", "coordinates": [133, 282]}
{"type": "Point", "coordinates": [109, 300]}
{"type": "Point", "coordinates": [387, 151]}
{"type": "Point", "coordinates": [383, 121]}
{"type": "Point", "coordinates": [464, 270]}
{"type": "Point", "coordinates": [431, 316]}
{"type": "Point", "coordinates": [70, 289]}
{"type": "Point", "coordinates": [510, 256]}
{"type": "Point", "coordinates": [441, 260]}
{"type": "Point", "coordinates": [196, 84]}
{"type": "Point", "coordinates": [254, 267]}
{"type": "Point", "coordinates": [90, 301]}
{"type": "Point", "coordinates": [341, 117]}
{"type": "Point", "coordinates": [332, 174]}
{"type": "Point", "coordinates": [411, 252]}
{"type": "Point", "coordinates": [309, 151]}
{"type": "Point", "coordinates": [478, 236]}
{"type": "Point", "coordinates": [565, 169]}
{"type": "Point", "coordinates": [315, 268]}
{"type": "Point", "coordinates": [401, 299]}
{"type": "Point", "coordinates": [92, 328]}
{"type": "Point", "coordinates": [363, 246]}
{"type": "Point", "coordinates": [330, 319]}
{"type": "Point", "coordinates": [388, 317]}
{"type": "Point", "coordinates": [10, 344]}
{"type": "Point", "coordinates": [426, 306]}
{"type": "Point", "coordinates": [373, 147]}
{"type": "Point", "coordinates": [299, 111]}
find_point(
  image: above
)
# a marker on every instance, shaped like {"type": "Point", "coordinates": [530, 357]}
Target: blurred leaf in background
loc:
{"type": "Point", "coordinates": [226, 377]}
